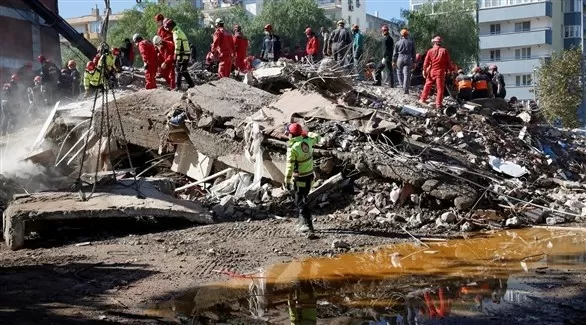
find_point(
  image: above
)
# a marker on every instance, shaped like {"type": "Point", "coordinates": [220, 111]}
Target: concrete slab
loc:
{"type": "Point", "coordinates": [293, 102]}
{"type": "Point", "coordinates": [188, 161]}
{"type": "Point", "coordinates": [114, 201]}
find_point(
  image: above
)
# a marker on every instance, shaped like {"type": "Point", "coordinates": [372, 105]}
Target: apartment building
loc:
{"type": "Point", "coordinates": [91, 25]}
{"type": "Point", "coordinates": [516, 34]}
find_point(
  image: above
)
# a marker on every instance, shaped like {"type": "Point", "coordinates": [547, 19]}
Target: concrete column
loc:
{"type": "Point", "coordinates": [13, 231]}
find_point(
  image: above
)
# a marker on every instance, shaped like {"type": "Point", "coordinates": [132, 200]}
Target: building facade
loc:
{"type": "Point", "coordinates": [25, 36]}
{"type": "Point", "coordinates": [516, 34]}
{"type": "Point", "coordinates": [91, 25]}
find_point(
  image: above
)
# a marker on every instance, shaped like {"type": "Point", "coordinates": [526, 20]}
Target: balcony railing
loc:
{"type": "Point", "coordinates": [483, 4]}
{"type": "Point", "coordinates": [510, 32]}
{"type": "Point", "coordinates": [508, 58]}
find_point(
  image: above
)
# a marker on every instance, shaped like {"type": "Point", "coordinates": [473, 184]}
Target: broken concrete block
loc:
{"type": "Point", "coordinates": [358, 213]}
{"type": "Point", "coordinates": [374, 212]}
{"type": "Point", "coordinates": [331, 184]}
{"type": "Point", "coordinates": [225, 209]}
{"type": "Point", "coordinates": [379, 200]}
{"type": "Point", "coordinates": [463, 203]}
{"type": "Point", "coordinates": [535, 216]}
{"type": "Point", "coordinates": [513, 222]}
{"type": "Point", "coordinates": [188, 161]}
{"type": "Point", "coordinates": [338, 243]}
{"type": "Point", "coordinates": [278, 192]}
{"type": "Point", "coordinates": [448, 217]}
{"type": "Point", "coordinates": [550, 221]}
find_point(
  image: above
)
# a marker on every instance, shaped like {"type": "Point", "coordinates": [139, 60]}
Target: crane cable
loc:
{"type": "Point", "coordinates": [104, 118]}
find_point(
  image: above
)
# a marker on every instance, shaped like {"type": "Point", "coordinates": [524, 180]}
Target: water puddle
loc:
{"type": "Point", "coordinates": [400, 284]}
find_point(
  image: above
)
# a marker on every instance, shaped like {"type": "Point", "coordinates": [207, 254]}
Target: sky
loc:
{"type": "Point", "coordinates": [75, 8]}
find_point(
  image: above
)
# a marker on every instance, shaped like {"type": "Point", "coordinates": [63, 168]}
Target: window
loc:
{"type": "Point", "coordinates": [95, 27]}
{"type": "Point", "coordinates": [495, 55]}
{"type": "Point", "coordinates": [572, 31]}
{"type": "Point", "coordinates": [523, 80]}
{"type": "Point", "coordinates": [495, 29]}
{"type": "Point", "coordinates": [357, 3]}
{"type": "Point", "coordinates": [572, 5]}
{"type": "Point", "coordinates": [523, 54]}
{"type": "Point", "coordinates": [523, 27]}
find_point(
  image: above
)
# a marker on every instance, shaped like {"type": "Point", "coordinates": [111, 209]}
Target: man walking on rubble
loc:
{"type": "Point", "coordinates": [312, 46]}
{"type": "Point", "coordinates": [357, 51]}
{"type": "Point", "coordinates": [166, 58]}
{"type": "Point", "coordinates": [299, 172]}
{"type": "Point", "coordinates": [149, 57]}
{"type": "Point", "coordinates": [50, 78]}
{"type": "Point", "coordinates": [223, 44]}
{"type": "Point", "coordinates": [161, 31]}
{"type": "Point", "coordinates": [182, 53]}
{"type": "Point", "coordinates": [325, 34]}
{"type": "Point", "coordinates": [404, 57]}
{"type": "Point", "coordinates": [436, 65]}
{"type": "Point", "coordinates": [498, 82]}
{"type": "Point", "coordinates": [386, 62]}
{"type": "Point", "coordinates": [271, 45]}
{"type": "Point", "coordinates": [339, 43]}
{"type": "Point", "coordinates": [240, 49]}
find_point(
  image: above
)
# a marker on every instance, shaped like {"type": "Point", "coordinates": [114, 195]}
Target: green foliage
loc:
{"type": "Point", "coordinates": [559, 88]}
{"type": "Point", "coordinates": [69, 52]}
{"type": "Point", "coordinates": [454, 21]}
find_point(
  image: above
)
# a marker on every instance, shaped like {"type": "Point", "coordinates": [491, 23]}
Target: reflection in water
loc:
{"type": "Point", "coordinates": [400, 284]}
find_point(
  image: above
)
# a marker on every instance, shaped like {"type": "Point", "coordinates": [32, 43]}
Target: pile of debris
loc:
{"type": "Point", "coordinates": [404, 163]}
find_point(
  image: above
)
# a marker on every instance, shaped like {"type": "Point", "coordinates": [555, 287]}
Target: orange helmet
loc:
{"type": "Point", "coordinates": [295, 129]}
{"type": "Point", "coordinates": [268, 27]}
{"type": "Point", "coordinates": [307, 31]}
{"type": "Point", "coordinates": [159, 17]}
{"type": "Point", "coordinates": [90, 66]}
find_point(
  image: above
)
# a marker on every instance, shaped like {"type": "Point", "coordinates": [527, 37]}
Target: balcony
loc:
{"type": "Point", "coordinates": [522, 10]}
{"type": "Point", "coordinates": [516, 39]}
{"type": "Point", "coordinates": [514, 66]}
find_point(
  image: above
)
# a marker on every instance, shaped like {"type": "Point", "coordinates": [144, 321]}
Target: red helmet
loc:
{"type": "Point", "coordinates": [436, 39]}
{"type": "Point", "coordinates": [417, 57]}
{"type": "Point", "coordinates": [90, 66]}
{"type": "Point", "coordinates": [159, 17]}
{"type": "Point", "coordinates": [71, 63]}
{"type": "Point", "coordinates": [307, 31]}
{"type": "Point", "coordinates": [268, 27]}
{"type": "Point", "coordinates": [168, 24]}
{"type": "Point", "coordinates": [41, 59]}
{"type": "Point", "coordinates": [116, 51]}
{"type": "Point", "coordinates": [295, 129]}
{"type": "Point", "coordinates": [15, 77]}
{"type": "Point", "coordinates": [37, 79]}
{"type": "Point", "coordinates": [384, 28]}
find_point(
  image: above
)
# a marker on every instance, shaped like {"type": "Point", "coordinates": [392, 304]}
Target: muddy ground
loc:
{"type": "Point", "coordinates": [111, 273]}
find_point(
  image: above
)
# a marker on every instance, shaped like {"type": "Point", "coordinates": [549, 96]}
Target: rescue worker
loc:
{"type": "Point", "coordinates": [182, 53]}
{"type": "Point", "coordinates": [117, 61]}
{"type": "Point", "coordinates": [404, 57]}
{"type": "Point", "coordinates": [271, 46]}
{"type": "Point", "coordinates": [127, 53]}
{"type": "Point", "coordinates": [299, 172]}
{"type": "Point", "coordinates": [240, 49]}
{"type": "Point", "coordinates": [161, 31]}
{"type": "Point", "coordinates": [437, 63]}
{"type": "Point", "coordinates": [498, 82]}
{"type": "Point", "coordinates": [480, 84]}
{"type": "Point", "coordinates": [386, 62]}
{"type": "Point", "coordinates": [464, 84]}
{"type": "Point", "coordinates": [325, 34]}
{"type": "Point", "coordinates": [149, 57]}
{"type": "Point", "coordinates": [92, 79]}
{"type": "Point", "coordinates": [65, 84]}
{"type": "Point", "coordinates": [357, 51]}
{"type": "Point", "coordinates": [6, 109]}
{"type": "Point", "coordinates": [75, 78]}
{"type": "Point", "coordinates": [417, 78]}
{"type": "Point", "coordinates": [107, 64]}
{"type": "Point", "coordinates": [223, 44]}
{"type": "Point", "coordinates": [312, 46]}
{"type": "Point", "coordinates": [302, 303]}
{"type": "Point", "coordinates": [339, 43]}
{"type": "Point", "coordinates": [166, 59]}
{"type": "Point", "coordinates": [50, 79]}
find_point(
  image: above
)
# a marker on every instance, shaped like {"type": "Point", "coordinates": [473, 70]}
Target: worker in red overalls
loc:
{"type": "Point", "coordinates": [166, 60]}
{"type": "Point", "coordinates": [436, 65]}
{"type": "Point", "coordinates": [223, 44]}
{"type": "Point", "coordinates": [240, 49]}
{"type": "Point", "coordinates": [166, 35]}
{"type": "Point", "coordinates": [149, 57]}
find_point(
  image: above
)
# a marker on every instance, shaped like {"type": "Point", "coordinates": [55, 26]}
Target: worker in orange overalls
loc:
{"type": "Point", "coordinates": [166, 59]}
{"type": "Point", "coordinates": [166, 35]}
{"type": "Point", "coordinates": [223, 44]}
{"type": "Point", "coordinates": [240, 49]}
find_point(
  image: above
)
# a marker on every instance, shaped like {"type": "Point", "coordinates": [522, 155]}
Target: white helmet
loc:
{"type": "Point", "coordinates": [135, 37]}
{"type": "Point", "coordinates": [219, 21]}
{"type": "Point", "coordinates": [157, 40]}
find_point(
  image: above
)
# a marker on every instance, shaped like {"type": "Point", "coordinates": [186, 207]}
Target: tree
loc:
{"type": "Point", "coordinates": [454, 21]}
{"type": "Point", "coordinates": [559, 86]}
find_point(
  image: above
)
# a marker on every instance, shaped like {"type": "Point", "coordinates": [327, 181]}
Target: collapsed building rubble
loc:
{"type": "Point", "coordinates": [483, 162]}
